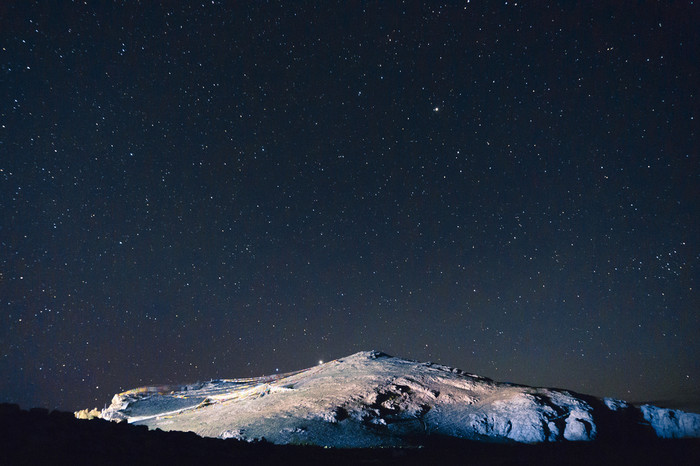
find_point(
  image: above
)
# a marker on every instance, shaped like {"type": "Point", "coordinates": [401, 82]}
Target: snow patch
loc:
{"type": "Point", "coordinates": [671, 423]}
{"type": "Point", "coordinates": [615, 405]}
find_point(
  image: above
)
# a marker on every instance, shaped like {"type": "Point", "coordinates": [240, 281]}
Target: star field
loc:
{"type": "Point", "coordinates": [217, 190]}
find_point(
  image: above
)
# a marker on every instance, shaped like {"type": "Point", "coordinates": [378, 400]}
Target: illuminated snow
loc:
{"type": "Point", "coordinates": [372, 399]}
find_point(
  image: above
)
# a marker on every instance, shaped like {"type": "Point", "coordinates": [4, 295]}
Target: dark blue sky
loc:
{"type": "Point", "coordinates": [216, 190]}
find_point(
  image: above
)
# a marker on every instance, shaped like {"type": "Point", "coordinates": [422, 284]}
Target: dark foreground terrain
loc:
{"type": "Point", "coordinates": [42, 437]}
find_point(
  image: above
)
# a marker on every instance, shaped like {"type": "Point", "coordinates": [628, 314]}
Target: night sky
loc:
{"type": "Point", "coordinates": [220, 190]}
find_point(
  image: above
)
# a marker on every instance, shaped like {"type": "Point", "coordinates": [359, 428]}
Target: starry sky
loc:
{"type": "Point", "coordinates": [217, 190]}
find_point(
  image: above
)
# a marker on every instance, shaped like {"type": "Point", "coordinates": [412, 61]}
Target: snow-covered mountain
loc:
{"type": "Point", "coordinates": [372, 399]}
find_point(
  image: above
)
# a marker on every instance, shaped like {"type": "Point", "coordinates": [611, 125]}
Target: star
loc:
{"type": "Point", "coordinates": [258, 203]}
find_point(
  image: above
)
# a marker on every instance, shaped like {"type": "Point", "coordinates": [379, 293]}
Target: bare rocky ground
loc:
{"type": "Point", "coordinates": [373, 400]}
{"type": "Point", "coordinates": [38, 436]}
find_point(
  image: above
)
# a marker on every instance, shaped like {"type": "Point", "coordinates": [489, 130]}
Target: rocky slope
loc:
{"type": "Point", "coordinates": [371, 399]}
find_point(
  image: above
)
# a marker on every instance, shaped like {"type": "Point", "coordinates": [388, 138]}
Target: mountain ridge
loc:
{"type": "Point", "coordinates": [371, 399]}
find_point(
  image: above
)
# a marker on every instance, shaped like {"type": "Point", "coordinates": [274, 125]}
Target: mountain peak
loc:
{"type": "Point", "coordinates": [373, 399]}
{"type": "Point", "coordinates": [374, 354]}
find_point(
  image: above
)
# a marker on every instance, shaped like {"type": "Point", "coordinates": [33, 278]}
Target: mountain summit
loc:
{"type": "Point", "coordinates": [372, 399]}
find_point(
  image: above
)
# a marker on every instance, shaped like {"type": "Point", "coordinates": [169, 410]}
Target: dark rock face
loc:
{"type": "Point", "coordinates": [42, 437]}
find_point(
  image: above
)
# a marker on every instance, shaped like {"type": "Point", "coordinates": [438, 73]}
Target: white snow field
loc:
{"type": "Point", "coordinates": [371, 399]}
